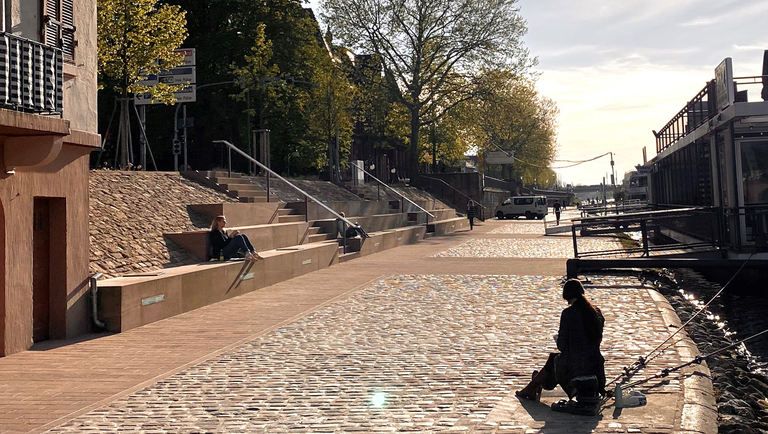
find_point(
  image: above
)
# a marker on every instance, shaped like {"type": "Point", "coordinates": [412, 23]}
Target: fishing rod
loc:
{"type": "Point", "coordinates": [642, 361]}
{"type": "Point", "coordinates": [696, 360]}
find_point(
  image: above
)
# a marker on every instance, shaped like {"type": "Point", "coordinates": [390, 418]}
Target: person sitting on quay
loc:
{"type": "Point", "coordinates": [227, 245]}
{"type": "Point", "coordinates": [578, 339]}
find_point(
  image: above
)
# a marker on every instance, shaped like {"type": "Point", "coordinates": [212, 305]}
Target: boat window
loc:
{"type": "Point", "coordinates": [754, 171]}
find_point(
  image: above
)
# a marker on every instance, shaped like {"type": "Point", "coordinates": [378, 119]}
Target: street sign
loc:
{"type": "Point", "coordinates": [498, 157]}
{"type": "Point", "coordinates": [189, 56]}
{"type": "Point", "coordinates": [187, 73]}
{"type": "Point", "coordinates": [188, 94]}
{"type": "Point", "coordinates": [178, 75]}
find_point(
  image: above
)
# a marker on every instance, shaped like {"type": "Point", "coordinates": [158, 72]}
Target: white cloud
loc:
{"type": "Point", "coordinates": [701, 22]}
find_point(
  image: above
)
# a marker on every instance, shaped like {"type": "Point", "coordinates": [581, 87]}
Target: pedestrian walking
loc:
{"type": "Point", "coordinates": [471, 212]}
{"type": "Point", "coordinates": [556, 207]}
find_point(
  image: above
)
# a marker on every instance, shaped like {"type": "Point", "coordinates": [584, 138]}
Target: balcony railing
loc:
{"type": "Point", "coordinates": [31, 77]}
{"type": "Point", "coordinates": [698, 111]}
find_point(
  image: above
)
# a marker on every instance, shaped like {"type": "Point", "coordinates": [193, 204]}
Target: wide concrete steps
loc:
{"type": "Point", "coordinates": [289, 249]}
{"type": "Point", "coordinates": [242, 187]}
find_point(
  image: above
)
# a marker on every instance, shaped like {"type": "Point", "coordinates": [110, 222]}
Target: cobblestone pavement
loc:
{"type": "Point", "coordinates": [429, 353]}
{"type": "Point", "coordinates": [527, 248]}
{"type": "Point", "coordinates": [519, 228]}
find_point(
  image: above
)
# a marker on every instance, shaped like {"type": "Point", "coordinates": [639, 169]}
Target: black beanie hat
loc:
{"type": "Point", "coordinates": [572, 289]}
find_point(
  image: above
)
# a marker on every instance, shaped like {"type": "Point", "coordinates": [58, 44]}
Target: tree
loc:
{"type": "Point", "coordinates": [137, 38]}
{"type": "Point", "coordinates": [431, 51]}
{"type": "Point", "coordinates": [512, 116]}
{"type": "Point", "coordinates": [331, 117]}
{"type": "Point", "coordinates": [303, 95]}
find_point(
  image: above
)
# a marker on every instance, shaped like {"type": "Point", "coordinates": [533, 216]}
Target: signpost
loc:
{"type": "Point", "coordinates": [498, 157]}
{"type": "Point", "coordinates": [184, 73]}
{"type": "Point", "coordinates": [724, 84]}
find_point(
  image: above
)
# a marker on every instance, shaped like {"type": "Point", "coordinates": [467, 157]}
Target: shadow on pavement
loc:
{"type": "Point", "coordinates": [559, 422]}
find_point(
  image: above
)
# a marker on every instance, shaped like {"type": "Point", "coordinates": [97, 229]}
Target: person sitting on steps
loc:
{"type": "Point", "coordinates": [578, 339]}
{"type": "Point", "coordinates": [226, 245]}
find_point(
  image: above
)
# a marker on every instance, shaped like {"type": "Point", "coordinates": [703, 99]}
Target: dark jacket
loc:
{"type": "Point", "coordinates": [218, 240]}
{"type": "Point", "coordinates": [578, 356]}
{"type": "Point", "coordinates": [471, 211]}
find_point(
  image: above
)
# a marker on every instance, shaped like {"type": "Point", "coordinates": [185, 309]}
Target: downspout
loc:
{"type": "Point", "coordinates": [94, 298]}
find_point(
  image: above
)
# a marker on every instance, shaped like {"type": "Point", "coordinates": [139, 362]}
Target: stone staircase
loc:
{"type": "Point", "coordinates": [240, 186]}
{"type": "Point", "coordinates": [316, 234]}
{"type": "Point", "coordinates": [365, 193]}
{"type": "Point", "coordinates": [288, 215]}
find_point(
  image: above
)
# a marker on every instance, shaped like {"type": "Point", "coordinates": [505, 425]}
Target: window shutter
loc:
{"type": "Point", "coordinates": [51, 23]}
{"type": "Point", "coordinates": [59, 27]}
{"type": "Point", "coordinates": [68, 42]}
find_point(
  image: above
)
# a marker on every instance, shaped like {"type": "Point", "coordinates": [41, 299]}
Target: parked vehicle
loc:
{"type": "Point", "coordinates": [529, 206]}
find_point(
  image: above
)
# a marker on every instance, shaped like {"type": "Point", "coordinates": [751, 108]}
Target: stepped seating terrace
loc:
{"type": "Point", "coordinates": [293, 238]}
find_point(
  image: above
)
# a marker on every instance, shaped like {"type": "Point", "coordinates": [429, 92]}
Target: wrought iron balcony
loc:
{"type": "Point", "coordinates": [31, 77]}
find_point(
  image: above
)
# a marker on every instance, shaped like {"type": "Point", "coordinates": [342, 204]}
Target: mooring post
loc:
{"type": "Point", "coordinates": [644, 231]}
{"type": "Point", "coordinates": [575, 247]}
{"type": "Point", "coordinates": [572, 268]}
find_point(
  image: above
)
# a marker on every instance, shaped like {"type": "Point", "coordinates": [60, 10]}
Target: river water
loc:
{"type": "Point", "coordinates": [741, 310]}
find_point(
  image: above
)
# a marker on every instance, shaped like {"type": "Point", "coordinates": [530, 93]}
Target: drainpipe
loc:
{"type": "Point", "coordinates": [94, 298]}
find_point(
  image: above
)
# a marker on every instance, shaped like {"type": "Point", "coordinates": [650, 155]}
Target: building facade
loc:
{"type": "Point", "coordinates": [48, 127]}
{"type": "Point", "coordinates": [714, 154]}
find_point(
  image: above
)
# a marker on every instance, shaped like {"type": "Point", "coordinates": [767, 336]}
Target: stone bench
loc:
{"type": "Point", "coordinates": [386, 239]}
{"type": "Point", "coordinates": [442, 227]}
{"type": "Point", "coordinates": [263, 237]}
{"type": "Point", "coordinates": [135, 300]}
{"type": "Point", "coordinates": [439, 214]}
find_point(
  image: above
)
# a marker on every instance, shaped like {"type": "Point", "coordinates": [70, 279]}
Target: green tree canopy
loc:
{"type": "Point", "coordinates": [512, 116]}
{"type": "Point", "coordinates": [431, 52]}
{"type": "Point", "coordinates": [137, 38]}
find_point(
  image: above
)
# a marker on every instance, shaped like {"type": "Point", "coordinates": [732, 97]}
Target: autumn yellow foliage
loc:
{"type": "Point", "coordinates": [137, 38]}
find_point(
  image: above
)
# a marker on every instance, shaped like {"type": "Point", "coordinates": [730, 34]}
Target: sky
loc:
{"type": "Point", "coordinates": [618, 69]}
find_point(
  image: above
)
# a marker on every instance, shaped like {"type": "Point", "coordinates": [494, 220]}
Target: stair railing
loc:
{"type": "Point", "coordinates": [460, 192]}
{"type": "Point", "coordinates": [402, 207]}
{"type": "Point", "coordinates": [307, 196]}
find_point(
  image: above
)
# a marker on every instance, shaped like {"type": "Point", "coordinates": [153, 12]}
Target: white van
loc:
{"type": "Point", "coordinates": [529, 206]}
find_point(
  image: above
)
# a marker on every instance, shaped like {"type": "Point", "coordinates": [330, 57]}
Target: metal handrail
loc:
{"type": "Point", "coordinates": [644, 222]}
{"type": "Point", "coordinates": [94, 298]}
{"type": "Point", "coordinates": [270, 171]}
{"type": "Point", "coordinates": [396, 192]}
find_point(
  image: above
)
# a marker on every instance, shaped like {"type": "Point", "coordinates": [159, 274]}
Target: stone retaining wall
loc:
{"type": "Point", "coordinates": [130, 211]}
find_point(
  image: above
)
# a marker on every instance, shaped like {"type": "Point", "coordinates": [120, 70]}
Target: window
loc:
{"type": "Point", "coordinates": [754, 172]}
{"type": "Point", "coordinates": [59, 27]}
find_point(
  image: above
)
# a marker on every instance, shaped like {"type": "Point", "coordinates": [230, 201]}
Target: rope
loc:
{"type": "Point", "coordinates": [698, 359]}
{"type": "Point", "coordinates": [641, 362]}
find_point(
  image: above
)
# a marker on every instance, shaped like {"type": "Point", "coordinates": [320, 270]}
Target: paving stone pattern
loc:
{"type": "Point", "coordinates": [444, 350]}
{"type": "Point", "coordinates": [520, 228]}
{"type": "Point", "coordinates": [130, 211]}
{"type": "Point", "coordinates": [526, 248]}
